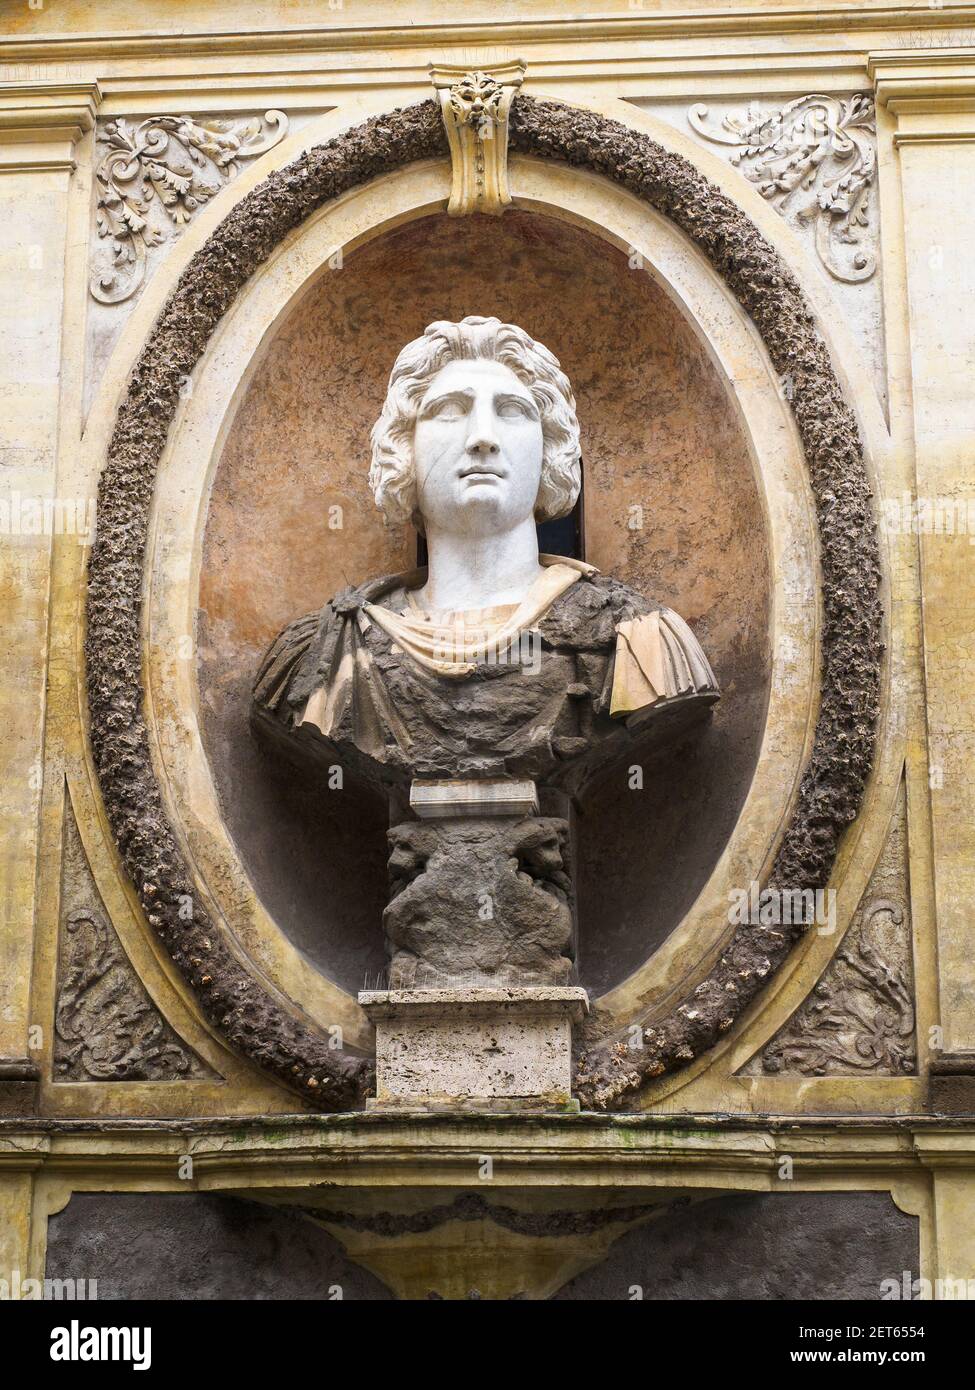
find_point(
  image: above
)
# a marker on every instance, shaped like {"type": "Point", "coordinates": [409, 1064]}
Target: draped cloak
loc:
{"type": "Point", "coordinates": [583, 672]}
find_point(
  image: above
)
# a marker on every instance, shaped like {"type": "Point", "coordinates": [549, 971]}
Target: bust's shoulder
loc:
{"type": "Point", "coordinates": [386, 587]}
{"type": "Point", "coordinates": [624, 601]}
{"type": "Point", "coordinates": [589, 612]}
{"type": "Point", "coordinates": [281, 660]}
{"type": "Point", "coordinates": [302, 651]}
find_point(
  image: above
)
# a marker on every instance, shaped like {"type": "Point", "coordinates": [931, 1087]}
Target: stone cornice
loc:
{"type": "Point", "coordinates": [586, 1151]}
{"type": "Point", "coordinates": [40, 123]}
{"type": "Point", "coordinates": [296, 81]}
{"type": "Point", "coordinates": [930, 92]}
{"type": "Point", "coordinates": [47, 110]}
{"type": "Point", "coordinates": [636, 54]}
{"type": "Point", "coordinates": [630, 25]}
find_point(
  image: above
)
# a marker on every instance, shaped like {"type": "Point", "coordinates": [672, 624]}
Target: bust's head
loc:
{"type": "Point", "coordinates": [478, 431]}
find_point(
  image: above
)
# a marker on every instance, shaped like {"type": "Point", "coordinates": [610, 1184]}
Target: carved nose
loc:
{"type": "Point", "coordinates": [482, 437]}
{"type": "Point", "coordinates": [482, 444]}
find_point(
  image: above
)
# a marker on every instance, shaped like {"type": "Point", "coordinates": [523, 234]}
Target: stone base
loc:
{"type": "Point", "coordinates": [951, 1084]}
{"type": "Point", "coordinates": [479, 902]}
{"type": "Point", "coordinates": [20, 1079]}
{"type": "Point", "coordinates": [490, 1048]}
{"type": "Point", "coordinates": [441, 800]}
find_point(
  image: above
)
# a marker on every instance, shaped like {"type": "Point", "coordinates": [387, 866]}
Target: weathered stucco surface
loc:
{"type": "Point", "coordinates": [810, 1245]}
{"type": "Point", "coordinates": [77, 61]}
{"type": "Point", "coordinates": [199, 1246]}
{"type": "Point", "coordinates": [820, 1245]}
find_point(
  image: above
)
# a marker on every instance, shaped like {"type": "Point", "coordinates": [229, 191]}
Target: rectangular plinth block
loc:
{"type": "Point", "coordinates": [503, 796]}
{"type": "Point", "coordinates": [482, 1045]}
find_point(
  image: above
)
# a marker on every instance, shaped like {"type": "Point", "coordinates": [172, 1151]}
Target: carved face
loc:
{"type": "Point", "coordinates": [477, 449]}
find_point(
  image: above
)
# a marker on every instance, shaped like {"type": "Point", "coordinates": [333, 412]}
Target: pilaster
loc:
{"type": "Point", "coordinates": [930, 93]}
{"type": "Point", "coordinates": [40, 126]}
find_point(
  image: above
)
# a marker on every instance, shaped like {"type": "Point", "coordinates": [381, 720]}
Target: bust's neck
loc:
{"type": "Point", "coordinates": [479, 572]}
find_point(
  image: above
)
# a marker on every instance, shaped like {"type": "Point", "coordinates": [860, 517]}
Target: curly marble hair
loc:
{"type": "Point", "coordinates": [392, 476]}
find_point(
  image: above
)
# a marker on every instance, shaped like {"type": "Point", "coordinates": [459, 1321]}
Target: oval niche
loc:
{"type": "Point", "coordinates": [671, 506]}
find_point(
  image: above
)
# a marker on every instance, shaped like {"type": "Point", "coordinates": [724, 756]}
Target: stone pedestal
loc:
{"type": "Point", "coordinates": [490, 1048]}
{"type": "Point", "coordinates": [480, 889]}
{"type": "Point", "coordinates": [495, 796]}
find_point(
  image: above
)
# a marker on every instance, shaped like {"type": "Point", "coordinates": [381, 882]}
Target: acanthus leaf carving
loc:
{"type": "Point", "coordinates": [173, 163]}
{"type": "Point", "coordinates": [475, 106]}
{"type": "Point", "coordinates": [476, 100]}
{"type": "Point", "coordinates": [860, 1017]}
{"type": "Point", "coordinates": [820, 146]}
{"type": "Point", "coordinates": [106, 1027]}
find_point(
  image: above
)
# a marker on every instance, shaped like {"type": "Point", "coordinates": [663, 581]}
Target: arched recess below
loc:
{"type": "Point", "coordinates": [267, 1026]}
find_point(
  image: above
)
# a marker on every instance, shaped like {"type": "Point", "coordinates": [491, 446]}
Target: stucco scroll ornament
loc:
{"type": "Point", "coordinates": [475, 107]}
{"type": "Point", "coordinates": [170, 163]}
{"type": "Point", "coordinates": [860, 1018]}
{"type": "Point", "coordinates": [819, 146]}
{"type": "Point", "coordinates": [106, 1027]}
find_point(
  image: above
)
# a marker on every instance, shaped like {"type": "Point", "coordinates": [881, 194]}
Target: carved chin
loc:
{"type": "Point", "coordinates": [482, 489]}
{"type": "Point", "coordinates": [491, 497]}
{"type": "Point", "coordinates": [481, 505]}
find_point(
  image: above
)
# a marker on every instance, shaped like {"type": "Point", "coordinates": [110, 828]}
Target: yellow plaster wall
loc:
{"type": "Point", "coordinates": [64, 64]}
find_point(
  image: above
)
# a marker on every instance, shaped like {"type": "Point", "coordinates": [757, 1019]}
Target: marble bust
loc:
{"type": "Point", "coordinates": [493, 665]}
{"type": "Point", "coordinates": [494, 661]}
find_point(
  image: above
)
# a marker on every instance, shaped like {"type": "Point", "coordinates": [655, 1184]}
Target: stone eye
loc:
{"type": "Point", "coordinates": [513, 409]}
{"type": "Point", "coordinates": [450, 409]}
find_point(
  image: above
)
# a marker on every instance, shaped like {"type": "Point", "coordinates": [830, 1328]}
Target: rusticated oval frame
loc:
{"type": "Point", "coordinates": [251, 1018]}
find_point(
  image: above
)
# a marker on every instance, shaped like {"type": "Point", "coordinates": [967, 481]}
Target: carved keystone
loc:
{"type": "Point", "coordinates": [475, 108]}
